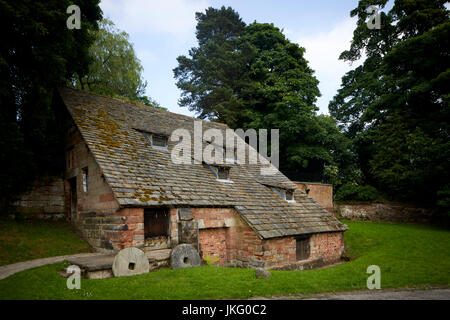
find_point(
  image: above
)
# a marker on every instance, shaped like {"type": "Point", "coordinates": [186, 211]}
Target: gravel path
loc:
{"type": "Point", "coordinates": [10, 269]}
{"type": "Point", "coordinates": [384, 294]}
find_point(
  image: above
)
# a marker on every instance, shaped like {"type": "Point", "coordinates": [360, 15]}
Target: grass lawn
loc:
{"type": "Point", "coordinates": [408, 255]}
{"type": "Point", "coordinates": [26, 240]}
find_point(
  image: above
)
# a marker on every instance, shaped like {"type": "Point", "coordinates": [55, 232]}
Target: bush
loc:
{"type": "Point", "coordinates": [443, 202]}
{"type": "Point", "coordinates": [352, 191]}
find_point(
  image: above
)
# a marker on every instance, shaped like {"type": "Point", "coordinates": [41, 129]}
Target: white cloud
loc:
{"type": "Point", "coordinates": [146, 56]}
{"type": "Point", "coordinates": [174, 17]}
{"type": "Point", "coordinates": [322, 52]}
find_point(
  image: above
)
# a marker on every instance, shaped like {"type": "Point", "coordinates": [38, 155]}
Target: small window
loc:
{"type": "Point", "coordinates": [159, 141]}
{"type": "Point", "coordinates": [286, 194]}
{"type": "Point", "coordinates": [290, 195]}
{"type": "Point", "coordinates": [85, 177]}
{"type": "Point", "coordinates": [222, 173]}
{"type": "Point", "coordinates": [70, 158]}
{"type": "Point", "coordinates": [302, 248]}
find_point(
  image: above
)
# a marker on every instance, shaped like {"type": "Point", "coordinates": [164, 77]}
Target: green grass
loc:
{"type": "Point", "coordinates": [26, 240]}
{"type": "Point", "coordinates": [408, 255]}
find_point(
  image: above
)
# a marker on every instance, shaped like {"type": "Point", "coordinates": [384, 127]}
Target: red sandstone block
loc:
{"type": "Point", "coordinates": [106, 197]}
{"type": "Point", "coordinates": [135, 219]}
{"type": "Point", "coordinates": [136, 212]}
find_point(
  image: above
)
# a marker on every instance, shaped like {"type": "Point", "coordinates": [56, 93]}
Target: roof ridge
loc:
{"type": "Point", "coordinates": [143, 105]}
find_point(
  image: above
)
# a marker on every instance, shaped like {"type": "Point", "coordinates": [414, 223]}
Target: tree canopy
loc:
{"type": "Point", "coordinates": [115, 70]}
{"type": "Point", "coordinates": [395, 106]}
{"type": "Point", "coordinates": [252, 76]}
{"type": "Point", "coordinates": [38, 53]}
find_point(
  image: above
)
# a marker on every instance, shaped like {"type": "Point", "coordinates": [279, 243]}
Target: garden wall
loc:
{"type": "Point", "coordinates": [45, 200]}
{"type": "Point", "coordinates": [377, 211]}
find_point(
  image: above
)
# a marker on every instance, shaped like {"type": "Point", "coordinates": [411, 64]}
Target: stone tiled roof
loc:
{"type": "Point", "coordinates": [141, 176]}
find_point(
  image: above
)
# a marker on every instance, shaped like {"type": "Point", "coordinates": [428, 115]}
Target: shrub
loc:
{"type": "Point", "coordinates": [352, 191]}
{"type": "Point", "coordinates": [210, 260]}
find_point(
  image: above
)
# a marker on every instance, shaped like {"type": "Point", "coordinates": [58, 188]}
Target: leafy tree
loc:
{"type": "Point", "coordinates": [115, 70]}
{"type": "Point", "coordinates": [38, 53]}
{"type": "Point", "coordinates": [395, 106]}
{"type": "Point", "coordinates": [251, 76]}
{"type": "Point", "coordinates": [211, 76]}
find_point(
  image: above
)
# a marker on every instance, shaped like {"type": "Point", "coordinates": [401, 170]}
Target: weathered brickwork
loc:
{"type": "Point", "coordinates": [224, 235]}
{"type": "Point", "coordinates": [132, 233]}
{"type": "Point", "coordinates": [321, 193]}
{"type": "Point", "coordinates": [213, 243]}
{"type": "Point", "coordinates": [97, 216]}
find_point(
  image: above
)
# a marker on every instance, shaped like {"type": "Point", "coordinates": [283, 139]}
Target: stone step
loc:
{"type": "Point", "coordinates": [99, 267]}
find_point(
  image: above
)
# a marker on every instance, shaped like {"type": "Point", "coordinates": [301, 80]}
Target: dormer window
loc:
{"type": "Point", "coordinates": [286, 194]}
{"type": "Point", "coordinates": [290, 195]}
{"type": "Point", "coordinates": [157, 141]}
{"type": "Point", "coordinates": [222, 173]}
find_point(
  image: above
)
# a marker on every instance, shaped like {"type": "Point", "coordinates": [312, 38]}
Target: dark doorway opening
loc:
{"type": "Point", "coordinates": [156, 228]}
{"type": "Point", "coordinates": [303, 247]}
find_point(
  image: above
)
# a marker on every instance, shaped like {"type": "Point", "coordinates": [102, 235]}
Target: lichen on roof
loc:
{"type": "Point", "coordinates": [141, 176]}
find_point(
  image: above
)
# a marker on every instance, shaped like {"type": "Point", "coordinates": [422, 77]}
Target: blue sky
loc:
{"type": "Point", "coordinates": [162, 30]}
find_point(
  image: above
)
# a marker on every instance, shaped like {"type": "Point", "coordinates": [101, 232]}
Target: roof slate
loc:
{"type": "Point", "coordinates": [141, 176]}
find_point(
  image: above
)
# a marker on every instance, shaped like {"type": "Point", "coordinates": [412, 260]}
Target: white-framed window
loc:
{"type": "Point", "coordinates": [85, 179]}
{"type": "Point", "coordinates": [160, 141]}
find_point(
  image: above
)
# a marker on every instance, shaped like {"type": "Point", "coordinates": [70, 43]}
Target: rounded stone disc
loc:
{"type": "Point", "coordinates": [130, 262]}
{"type": "Point", "coordinates": [184, 256]}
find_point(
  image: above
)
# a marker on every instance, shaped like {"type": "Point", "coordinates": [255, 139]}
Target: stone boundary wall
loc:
{"type": "Point", "coordinates": [45, 200]}
{"type": "Point", "coordinates": [379, 212]}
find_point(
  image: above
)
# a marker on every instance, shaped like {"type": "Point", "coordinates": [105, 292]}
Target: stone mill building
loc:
{"type": "Point", "coordinates": [122, 189]}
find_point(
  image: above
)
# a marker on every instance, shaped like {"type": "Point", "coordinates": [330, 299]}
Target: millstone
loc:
{"type": "Point", "coordinates": [184, 256]}
{"type": "Point", "coordinates": [130, 262]}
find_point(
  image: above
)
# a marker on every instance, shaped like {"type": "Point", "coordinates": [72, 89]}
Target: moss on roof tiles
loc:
{"type": "Point", "coordinates": [150, 178]}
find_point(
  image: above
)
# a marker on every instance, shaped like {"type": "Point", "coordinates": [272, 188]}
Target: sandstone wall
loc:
{"type": "Point", "coordinates": [224, 235]}
{"type": "Point", "coordinates": [96, 217]}
{"type": "Point", "coordinates": [45, 199]}
{"type": "Point", "coordinates": [389, 212]}
{"type": "Point", "coordinates": [321, 193]}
